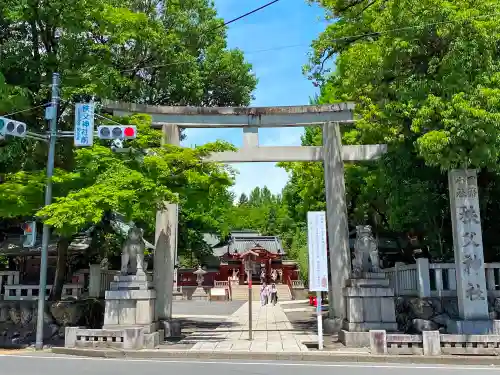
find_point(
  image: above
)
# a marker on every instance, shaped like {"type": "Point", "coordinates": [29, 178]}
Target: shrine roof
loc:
{"type": "Point", "coordinates": [243, 244]}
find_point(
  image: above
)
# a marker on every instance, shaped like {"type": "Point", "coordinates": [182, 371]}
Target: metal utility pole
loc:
{"type": "Point", "coordinates": [48, 200]}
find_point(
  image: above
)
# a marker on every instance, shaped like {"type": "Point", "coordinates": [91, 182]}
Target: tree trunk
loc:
{"type": "Point", "coordinates": [61, 267]}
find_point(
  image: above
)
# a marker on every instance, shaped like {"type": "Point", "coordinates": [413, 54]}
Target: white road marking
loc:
{"type": "Point", "coordinates": [274, 363]}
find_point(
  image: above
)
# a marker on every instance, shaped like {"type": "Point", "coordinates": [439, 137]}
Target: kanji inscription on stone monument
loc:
{"type": "Point", "coordinates": [468, 244]}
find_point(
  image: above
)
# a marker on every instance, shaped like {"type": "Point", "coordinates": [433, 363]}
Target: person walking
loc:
{"type": "Point", "coordinates": [263, 294]}
{"type": "Point", "coordinates": [274, 294]}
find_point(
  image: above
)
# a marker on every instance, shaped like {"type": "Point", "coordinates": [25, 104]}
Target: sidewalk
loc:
{"type": "Point", "coordinates": [272, 331]}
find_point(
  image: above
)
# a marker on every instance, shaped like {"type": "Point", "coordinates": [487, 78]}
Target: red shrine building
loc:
{"type": "Point", "coordinates": [228, 261]}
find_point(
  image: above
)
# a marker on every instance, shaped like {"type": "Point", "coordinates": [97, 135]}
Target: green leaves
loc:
{"type": "Point", "coordinates": [430, 76]}
{"type": "Point", "coordinates": [135, 184]}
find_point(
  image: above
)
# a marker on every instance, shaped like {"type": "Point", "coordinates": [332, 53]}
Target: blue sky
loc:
{"type": "Point", "coordinates": [261, 36]}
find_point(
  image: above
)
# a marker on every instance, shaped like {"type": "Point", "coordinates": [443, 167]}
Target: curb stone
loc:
{"type": "Point", "coordinates": [280, 356]}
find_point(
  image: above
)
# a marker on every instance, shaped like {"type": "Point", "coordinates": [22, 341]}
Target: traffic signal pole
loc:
{"type": "Point", "coordinates": [48, 200]}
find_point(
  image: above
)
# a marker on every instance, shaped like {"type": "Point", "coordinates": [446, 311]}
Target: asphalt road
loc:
{"type": "Point", "coordinates": [51, 364]}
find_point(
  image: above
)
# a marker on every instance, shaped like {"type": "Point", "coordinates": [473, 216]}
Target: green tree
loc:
{"type": "Point", "coordinates": [432, 82]}
{"type": "Point", "coordinates": [243, 199]}
{"type": "Point", "coordinates": [154, 52]}
{"type": "Point", "coordinates": [425, 77]}
{"type": "Point", "coordinates": [135, 185]}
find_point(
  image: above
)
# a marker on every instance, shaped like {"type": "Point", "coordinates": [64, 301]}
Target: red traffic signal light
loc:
{"type": "Point", "coordinates": [116, 132]}
{"type": "Point", "coordinates": [129, 132]}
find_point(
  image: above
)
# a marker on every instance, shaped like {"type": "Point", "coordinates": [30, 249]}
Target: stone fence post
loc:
{"type": "Point", "coordinates": [95, 272]}
{"type": "Point", "coordinates": [397, 283]}
{"type": "Point", "coordinates": [423, 278]}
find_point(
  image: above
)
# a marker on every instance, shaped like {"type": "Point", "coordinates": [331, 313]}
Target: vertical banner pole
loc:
{"type": "Point", "coordinates": [318, 261]}
{"type": "Point", "coordinates": [249, 304]}
{"type": "Point", "coordinates": [319, 316]}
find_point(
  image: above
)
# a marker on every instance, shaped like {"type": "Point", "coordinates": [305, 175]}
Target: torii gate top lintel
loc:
{"type": "Point", "coordinates": [238, 117]}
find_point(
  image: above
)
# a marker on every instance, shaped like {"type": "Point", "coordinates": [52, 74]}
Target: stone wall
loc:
{"type": "Point", "coordinates": [415, 315]}
{"type": "Point", "coordinates": [18, 320]}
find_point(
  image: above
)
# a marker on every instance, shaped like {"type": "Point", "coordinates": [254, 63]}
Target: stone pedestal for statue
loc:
{"type": "Point", "coordinates": [368, 297]}
{"type": "Point", "coordinates": [129, 307]}
{"type": "Point", "coordinates": [370, 304]}
{"type": "Point", "coordinates": [130, 303]}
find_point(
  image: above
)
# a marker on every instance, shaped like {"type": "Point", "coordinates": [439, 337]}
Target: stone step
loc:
{"type": "Point", "coordinates": [124, 285]}
{"type": "Point", "coordinates": [373, 275]}
{"type": "Point", "coordinates": [368, 282]}
{"type": "Point", "coordinates": [368, 291]}
{"type": "Point", "coordinates": [123, 278]}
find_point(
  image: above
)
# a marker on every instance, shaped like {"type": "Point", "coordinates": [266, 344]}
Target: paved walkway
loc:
{"type": "Point", "coordinates": [272, 332]}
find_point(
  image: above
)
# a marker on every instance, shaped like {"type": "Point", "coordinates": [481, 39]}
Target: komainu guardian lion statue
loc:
{"type": "Point", "coordinates": [133, 253]}
{"type": "Point", "coordinates": [366, 258]}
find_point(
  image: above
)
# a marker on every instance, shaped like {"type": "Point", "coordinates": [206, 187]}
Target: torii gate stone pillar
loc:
{"type": "Point", "coordinates": [332, 153]}
{"type": "Point", "coordinates": [166, 252]}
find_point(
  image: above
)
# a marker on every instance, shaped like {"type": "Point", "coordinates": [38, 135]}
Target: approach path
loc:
{"type": "Point", "coordinates": [272, 332]}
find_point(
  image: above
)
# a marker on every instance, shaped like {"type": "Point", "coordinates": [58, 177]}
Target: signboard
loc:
{"type": "Point", "coordinates": [318, 261]}
{"type": "Point", "coordinates": [84, 124]}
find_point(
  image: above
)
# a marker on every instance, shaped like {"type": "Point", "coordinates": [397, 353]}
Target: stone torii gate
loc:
{"type": "Point", "coordinates": [250, 119]}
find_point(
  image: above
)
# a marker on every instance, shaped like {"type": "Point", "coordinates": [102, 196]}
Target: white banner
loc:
{"type": "Point", "coordinates": [318, 261]}
{"type": "Point", "coordinates": [84, 124]}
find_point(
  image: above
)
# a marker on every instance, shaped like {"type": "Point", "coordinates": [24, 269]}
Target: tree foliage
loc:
{"type": "Point", "coordinates": [155, 52]}
{"type": "Point", "coordinates": [425, 77]}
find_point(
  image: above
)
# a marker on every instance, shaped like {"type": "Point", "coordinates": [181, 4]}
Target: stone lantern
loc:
{"type": "Point", "coordinates": [200, 273]}
{"type": "Point", "coordinates": [199, 292]}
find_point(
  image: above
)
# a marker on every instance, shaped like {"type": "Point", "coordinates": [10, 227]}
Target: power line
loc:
{"type": "Point", "coordinates": [26, 110]}
{"type": "Point", "coordinates": [247, 14]}
{"type": "Point", "coordinates": [211, 31]}
{"type": "Point", "coordinates": [358, 36]}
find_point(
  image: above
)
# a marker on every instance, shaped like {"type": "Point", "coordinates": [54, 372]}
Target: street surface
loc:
{"type": "Point", "coordinates": [205, 309]}
{"type": "Point", "coordinates": [48, 364]}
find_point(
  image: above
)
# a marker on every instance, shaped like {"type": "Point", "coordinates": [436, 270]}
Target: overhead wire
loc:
{"type": "Point", "coordinates": [211, 31]}
{"type": "Point", "coordinates": [333, 40]}
{"type": "Point", "coordinates": [26, 110]}
{"type": "Point", "coordinates": [355, 36]}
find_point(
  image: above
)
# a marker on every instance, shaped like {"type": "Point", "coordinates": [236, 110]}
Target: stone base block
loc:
{"type": "Point", "coordinates": [355, 339]}
{"type": "Point", "coordinates": [148, 328]}
{"type": "Point", "coordinates": [200, 293]}
{"type": "Point", "coordinates": [368, 291]}
{"type": "Point", "coordinates": [128, 312]}
{"type": "Point", "coordinates": [384, 283]}
{"type": "Point", "coordinates": [131, 285]}
{"type": "Point", "coordinates": [129, 278]}
{"type": "Point", "coordinates": [171, 328]}
{"type": "Point", "coordinates": [373, 275]}
{"type": "Point", "coordinates": [378, 342]}
{"type": "Point", "coordinates": [130, 294]}
{"type": "Point", "coordinates": [471, 327]}
{"type": "Point", "coordinates": [128, 338]}
{"type": "Point", "coordinates": [332, 325]}
{"type": "Point", "coordinates": [151, 340]}
{"type": "Point", "coordinates": [370, 309]}
{"type": "Point", "coordinates": [431, 342]}
{"type": "Point", "coordinates": [368, 326]}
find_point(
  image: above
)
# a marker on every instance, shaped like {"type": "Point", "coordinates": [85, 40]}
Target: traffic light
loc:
{"type": "Point", "coordinates": [29, 234]}
{"type": "Point", "coordinates": [116, 132]}
{"type": "Point", "coordinates": [11, 127]}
